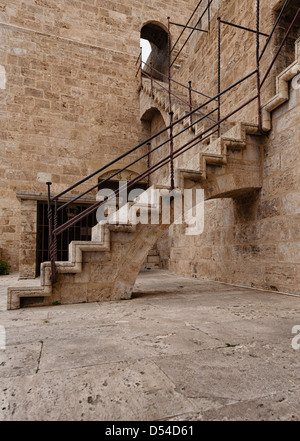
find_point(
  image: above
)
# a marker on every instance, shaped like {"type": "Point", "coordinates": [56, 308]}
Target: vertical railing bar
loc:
{"type": "Point", "coordinates": [170, 108]}
{"type": "Point", "coordinates": [219, 75]}
{"type": "Point", "coordinates": [61, 237]}
{"type": "Point", "coordinates": [55, 226]}
{"type": "Point", "coordinates": [258, 64]}
{"type": "Point", "coordinates": [80, 228]}
{"type": "Point", "coordinates": [169, 62]}
{"type": "Point", "coordinates": [43, 234]}
{"type": "Point", "coordinates": [171, 151]}
{"type": "Point", "coordinates": [141, 67]}
{"type": "Point", "coordinates": [151, 73]}
{"type": "Point", "coordinates": [148, 161]}
{"type": "Point", "coordinates": [69, 231]}
{"type": "Point", "coordinates": [50, 233]}
{"type": "Point", "coordinates": [190, 101]}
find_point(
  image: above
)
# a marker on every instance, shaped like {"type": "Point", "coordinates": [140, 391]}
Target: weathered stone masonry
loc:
{"type": "Point", "coordinates": [70, 104]}
{"type": "Point", "coordinates": [69, 100]}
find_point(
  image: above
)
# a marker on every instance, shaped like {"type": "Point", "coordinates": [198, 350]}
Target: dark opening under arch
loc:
{"type": "Point", "coordinates": [287, 54]}
{"type": "Point", "coordinates": [158, 39]}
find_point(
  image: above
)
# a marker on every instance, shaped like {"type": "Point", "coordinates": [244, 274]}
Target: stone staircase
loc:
{"type": "Point", "coordinates": [103, 269]}
{"type": "Point", "coordinates": [179, 106]}
{"type": "Point", "coordinates": [224, 166]}
{"type": "Point", "coordinates": [231, 164]}
{"type": "Point", "coordinates": [107, 267]}
{"type": "Point", "coordinates": [228, 166]}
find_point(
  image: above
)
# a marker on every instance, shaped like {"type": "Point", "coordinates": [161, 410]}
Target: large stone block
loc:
{"type": "Point", "coordinates": [289, 252]}
{"type": "Point", "coordinates": [291, 203]}
{"type": "Point", "coordinates": [269, 208]}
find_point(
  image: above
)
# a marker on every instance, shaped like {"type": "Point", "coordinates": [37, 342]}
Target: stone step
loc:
{"type": "Point", "coordinates": [153, 252]}
{"type": "Point", "coordinates": [151, 266]}
{"type": "Point", "coordinates": [153, 259]}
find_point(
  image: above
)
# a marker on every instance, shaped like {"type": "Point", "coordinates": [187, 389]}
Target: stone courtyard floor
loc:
{"type": "Point", "coordinates": [181, 349]}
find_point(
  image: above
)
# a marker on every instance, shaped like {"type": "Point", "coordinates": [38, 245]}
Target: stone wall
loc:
{"type": "Point", "coordinates": [69, 99]}
{"type": "Point", "coordinates": [238, 55]}
{"type": "Point", "coordinates": [70, 103]}
{"type": "Point", "coordinates": [253, 240]}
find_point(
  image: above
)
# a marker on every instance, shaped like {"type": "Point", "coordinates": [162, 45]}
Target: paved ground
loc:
{"type": "Point", "coordinates": [181, 349]}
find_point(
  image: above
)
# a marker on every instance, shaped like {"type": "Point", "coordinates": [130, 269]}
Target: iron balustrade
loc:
{"type": "Point", "coordinates": [55, 229]}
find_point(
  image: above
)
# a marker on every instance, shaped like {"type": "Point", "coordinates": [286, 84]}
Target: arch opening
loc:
{"type": "Point", "coordinates": [287, 55]}
{"type": "Point", "coordinates": [157, 39]}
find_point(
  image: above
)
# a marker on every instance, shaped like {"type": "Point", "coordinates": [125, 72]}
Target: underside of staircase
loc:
{"type": "Point", "coordinates": [107, 267]}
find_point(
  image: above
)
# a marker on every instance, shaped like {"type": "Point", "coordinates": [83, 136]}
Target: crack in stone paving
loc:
{"type": "Point", "coordinates": [39, 358]}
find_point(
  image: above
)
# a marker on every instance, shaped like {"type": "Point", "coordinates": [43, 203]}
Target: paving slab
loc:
{"type": "Point", "coordinates": [134, 391]}
{"type": "Point", "coordinates": [180, 349]}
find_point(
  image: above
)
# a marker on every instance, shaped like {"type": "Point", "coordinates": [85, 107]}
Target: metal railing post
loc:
{"type": "Point", "coordinates": [169, 60]}
{"type": "Point", "coordinates": [50, 245]}
{"type": "Point", "coordinates": [219, 75]}
{"type": "Point", "coordinates": [173, 154]}
{"type": "Point", "coordinates": [151, 74]}
{"type": "Point", "coordinates": [141, 57]}
{"type": "Point", "coordinates": [55, 226]}
{"type": "Point", "coordinates": [190, 101]}
{"type": "Point", "coordinates": [148, 161]}
{"type": "Point", "coordinates": [171, 151]}
{"type": "Point", "coordinates": [258, 65]}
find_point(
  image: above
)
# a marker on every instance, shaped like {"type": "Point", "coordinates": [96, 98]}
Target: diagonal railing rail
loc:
{"type": "Point", "coordinates": [206, 11]}
{"type": "Point", "coordinates": [55, 229]}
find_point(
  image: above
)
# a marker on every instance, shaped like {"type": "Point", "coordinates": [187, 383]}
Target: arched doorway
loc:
{"type": "Point", "coordinates": [287, 54]}
{"type": "Point", "coordinates": [156, 124]}
{"type": "Point", "coordinates": [157, 36]}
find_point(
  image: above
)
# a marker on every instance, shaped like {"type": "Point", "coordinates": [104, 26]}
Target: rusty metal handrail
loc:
{"type": "Point", "coordinates": [174, 94]}
{"type": "Point", "coordinates": [173, 81]}
{"type": "Point", "coordinates": [155, 167]}
{"type": "Point", "coordinates": [132, 163]}
{"type": "Point", "coordinates": [169, 159]}
{"type": "Point", "coordinates": [151, 138]}
{"type": "Point", "coordinates": [199, 137]}
{"type": "Point", "coordinates": [206, 10]}
{"type": "Point", "coordinates": [188, 22]}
